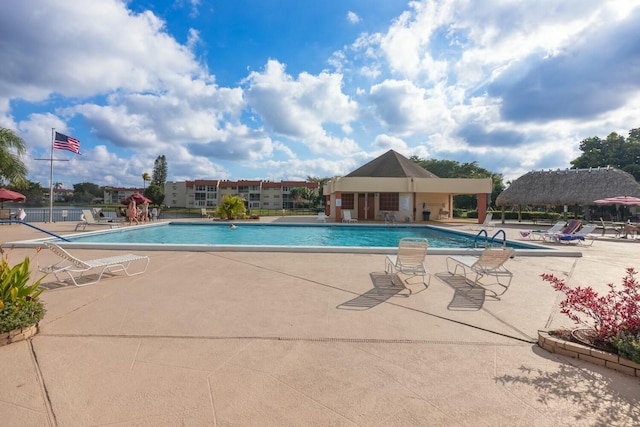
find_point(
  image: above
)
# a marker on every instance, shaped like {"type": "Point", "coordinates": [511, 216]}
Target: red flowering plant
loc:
{"type": "Point", "coordinates": [615, 312]}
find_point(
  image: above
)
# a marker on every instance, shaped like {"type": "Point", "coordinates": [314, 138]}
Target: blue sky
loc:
{"type": "Point", "coordinates": [281, 89]}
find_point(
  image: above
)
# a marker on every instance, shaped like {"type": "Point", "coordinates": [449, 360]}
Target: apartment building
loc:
{"type": "Point", "coordinates": [256, 193]}
{"type": "Point", "coordinates": [115, 195]}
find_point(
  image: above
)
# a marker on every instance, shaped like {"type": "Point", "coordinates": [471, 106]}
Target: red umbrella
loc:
{"type": "Point", "coordinates": [137, 197]}
{"type": "Point", "coordinates": [10, 196]}
{"type": "Point", "coordinates": [619, 200]}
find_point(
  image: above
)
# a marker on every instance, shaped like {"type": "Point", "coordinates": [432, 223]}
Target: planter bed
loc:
{"type": "Point", "coordinates": [561, 346]}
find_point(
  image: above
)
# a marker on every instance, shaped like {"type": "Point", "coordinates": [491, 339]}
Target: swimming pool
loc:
{"type": "Point", "coordinates": [198, 236]}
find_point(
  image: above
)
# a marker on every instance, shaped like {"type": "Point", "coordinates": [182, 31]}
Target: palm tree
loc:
{"type": "Point", "coordinates": [145, 177]}
{"type": "Point", "coordinates": [12, 148]}
{"type": "Point", "coordinates": [232, 207]}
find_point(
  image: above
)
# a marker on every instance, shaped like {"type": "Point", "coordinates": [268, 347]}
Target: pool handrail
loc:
{"type": "Point", "coordinates": [17, 221]}
{"type": "Point", "coordinates": [504, 238]}
{"type": "Point", "coordinates": [486, 238]}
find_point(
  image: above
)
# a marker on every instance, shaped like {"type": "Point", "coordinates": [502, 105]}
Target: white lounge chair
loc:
{"type": "Point", "coordinates": [485, 224]}
{"type": "Point", "coordinates": [489, 263]}
{"type": "Point", "coordinates": [205, 214]}
{"type": "Point", "coordinates": [580, 237]}
{"type": "Point", "coordinates": [88, 219]}
{"type": "Point", "coordinates": [322, 217]}
{"type": "Point", "coordinates": [410, 259]}
{"type": "Point", "coordinates": [76, 268]}
{"type": "Point", "coordinates": [537, 234]}
{"type": "Point", "coordinates": [346, 217]}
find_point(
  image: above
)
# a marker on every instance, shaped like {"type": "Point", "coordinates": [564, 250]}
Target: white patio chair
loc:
{"type": "Point", "coordinates": [346, 217]}
{"type": "Point", "coordinates": [76, 268]}
{"type": "Point", "coordinates": [410, 259]}
{"type": "Point", "coordinates": [489, 263]}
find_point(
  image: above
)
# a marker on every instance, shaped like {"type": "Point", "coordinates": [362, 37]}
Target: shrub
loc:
{"type": "Point", "coordinates": [628, 345]}
{"type": "Point", "coordinates": [20, 315]}
{"type": "Point", "coordinates": [19, 304]}
{"type": "Point", "coordinates": [618, 310]}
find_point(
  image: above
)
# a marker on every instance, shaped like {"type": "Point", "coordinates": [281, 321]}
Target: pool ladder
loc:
{"type": "Point", "coordinates": [490, 242]}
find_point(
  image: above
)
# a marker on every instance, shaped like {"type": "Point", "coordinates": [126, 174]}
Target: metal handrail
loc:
{"type": "Point", "coordinates": [486, 238]}
{"type": "Point", "coordinates": [504, 237]}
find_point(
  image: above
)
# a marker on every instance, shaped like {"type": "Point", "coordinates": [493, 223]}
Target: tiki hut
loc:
{"type": "Point", "coordinates": [570, 187]}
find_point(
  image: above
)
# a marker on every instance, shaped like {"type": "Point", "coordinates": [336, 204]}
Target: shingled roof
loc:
{"type": "Point", "coordinates": [568, 187]}
{"type": "Point", "coordinates": [391, 165]}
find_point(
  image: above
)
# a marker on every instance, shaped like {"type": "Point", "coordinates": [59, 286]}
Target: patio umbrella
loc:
{"type": "Point", "coordinates": [10, 196]}
{"type": "Point", "coordinates": [137, 197]}
{"type": "Point", "coordinates": [619, 200]}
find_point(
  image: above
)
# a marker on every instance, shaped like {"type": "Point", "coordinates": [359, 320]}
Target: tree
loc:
{"type": "Point", "coordinates": [303, 194]}
{"type": "Point", "coordinates": [319, 198]}
{"type": "Point", "coordinates": [622, 153]}
{"type": "Point", "coordinates": [159, 175]}
{"type": "Point", "coordinates": [155, 194]}
{"type": "Point", "coordinates": [85, 192]}
{"type": "Point", "coordinates": [145, 177]}
{"type": "Point", "coordinates": [232, 207]}
{"type": "Point", "coordinates": [12, 148]}
{"type": "Point", "coordinates": [33, 192]}
{"type": "Point", "coordinates": [454, 169]}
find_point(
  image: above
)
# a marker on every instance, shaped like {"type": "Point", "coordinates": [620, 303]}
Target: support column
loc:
{"type": "Point", "coordinates": [482, 207]}
{"type": "Point", "coordinates": [338, 196]}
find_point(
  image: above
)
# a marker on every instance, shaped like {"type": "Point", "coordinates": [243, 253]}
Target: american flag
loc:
{"type": "Point", "coordinates": [64, 142]}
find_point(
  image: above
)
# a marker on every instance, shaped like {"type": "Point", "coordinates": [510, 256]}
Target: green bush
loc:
{"type": "Point", "coordinates": [20, 315]}
{"type": "Point", "coordinates": [19, 304]}
{"type": "Point", "coordinates": [14, 286]}
{"type": "Point", "coordinates": [628, 345]}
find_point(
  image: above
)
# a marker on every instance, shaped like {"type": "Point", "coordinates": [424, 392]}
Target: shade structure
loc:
{"type": "Point", "coordinates": [137, 197]}
{"type": "Point", "coordinates": [618, 200]}
{"type": "Point", "coordinates": [10, 196]}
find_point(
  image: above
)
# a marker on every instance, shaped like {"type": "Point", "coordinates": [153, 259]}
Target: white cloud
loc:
{"type": "Point", "coordinates": [388, 142]}
{"type": "Point", "coordinates": [407, 109]}
{"type": "Point", "coordinates": [299, 108]}
{"type": "Point", "coordinates": [352, 17]}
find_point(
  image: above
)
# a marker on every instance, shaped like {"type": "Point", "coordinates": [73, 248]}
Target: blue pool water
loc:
{"type": "Point", "coordinates": [283, 235]}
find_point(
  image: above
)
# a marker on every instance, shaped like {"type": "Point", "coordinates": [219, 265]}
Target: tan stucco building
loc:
{"type": "Point", "coordinates": [392, 184]}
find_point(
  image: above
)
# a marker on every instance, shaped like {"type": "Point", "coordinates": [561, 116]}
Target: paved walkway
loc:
{"type": "Point", "coordinates": [290, 339]}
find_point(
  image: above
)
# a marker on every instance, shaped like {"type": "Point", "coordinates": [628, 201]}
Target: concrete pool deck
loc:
{"type": "Point", "coordinates": [275, 339]}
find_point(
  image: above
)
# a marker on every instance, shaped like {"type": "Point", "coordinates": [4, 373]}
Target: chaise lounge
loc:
{"type": "Point", "coordinates": [76, 268]}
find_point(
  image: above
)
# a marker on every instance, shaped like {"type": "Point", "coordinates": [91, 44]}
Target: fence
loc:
{"type": "Point", "coordinates": [72, 214]}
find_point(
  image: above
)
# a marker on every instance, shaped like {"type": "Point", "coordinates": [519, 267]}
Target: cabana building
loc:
{"type": "Point", "coordinates": [392, 184]}
{"type": "Point", "coordinates": [569, 187]}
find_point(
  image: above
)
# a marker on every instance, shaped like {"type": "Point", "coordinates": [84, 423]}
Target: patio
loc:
{"type": "Point", "coordinates": [277, 339]}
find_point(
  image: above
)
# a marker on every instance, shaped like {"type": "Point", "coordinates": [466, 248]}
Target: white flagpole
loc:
{"type": "Point", "coordinates": [51, 160]}
{"type": "Point", "coordinates": [53, 130]}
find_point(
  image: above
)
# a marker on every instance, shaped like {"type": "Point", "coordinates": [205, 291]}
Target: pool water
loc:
{"type": "Point", "coordinates": [283, 235]}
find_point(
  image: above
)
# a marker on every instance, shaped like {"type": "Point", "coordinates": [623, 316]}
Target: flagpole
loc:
{"type": "Point", "coordinates": [51, 160]}
{"type": "Point", "coordinates": [51, 178]}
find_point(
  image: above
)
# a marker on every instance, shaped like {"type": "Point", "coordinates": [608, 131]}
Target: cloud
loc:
{"type": "Point", "coordinates": [600, 73]}
{"type": "Point", "coordinates": [300, 108]}
{"type": "Point", "coordinates": [352, 17]}
{"type": "Point", "coordinates": [106, 48]}
{"type": "Point", "coordinates": [407, 109]}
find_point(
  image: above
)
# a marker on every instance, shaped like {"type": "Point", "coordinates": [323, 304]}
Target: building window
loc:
{"type": "Point", "coordinates": [388, 201]}
{"type": "Point", "coordinates": [201, 188]}
{"type": "Point", "coordinates": [347, 201]}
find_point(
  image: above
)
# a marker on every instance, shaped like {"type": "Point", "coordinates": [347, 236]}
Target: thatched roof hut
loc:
{"type": "Point", "coordinates": [568, 187]}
